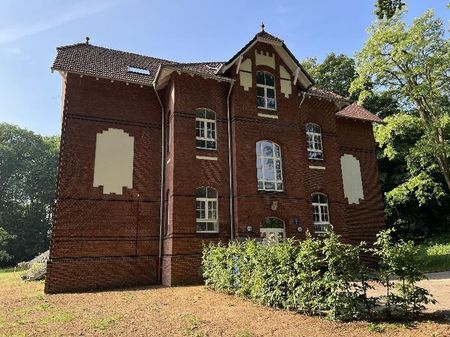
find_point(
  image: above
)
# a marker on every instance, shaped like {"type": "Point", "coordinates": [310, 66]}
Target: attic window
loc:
{"type": "Point", "coordinates": [137, 70]}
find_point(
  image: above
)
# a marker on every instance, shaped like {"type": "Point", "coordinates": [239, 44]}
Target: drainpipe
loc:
{"type": "Point", "coordinates": [230, 164]}
{"type": "Point", "coordinates": [162, 178]}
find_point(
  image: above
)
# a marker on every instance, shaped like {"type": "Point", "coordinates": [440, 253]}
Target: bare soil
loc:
{"type": "Point", "coordinates": [180, 311]}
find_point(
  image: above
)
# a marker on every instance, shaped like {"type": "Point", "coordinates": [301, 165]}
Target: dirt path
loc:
{"type": "Point", "coordinates": [183, 311]}
{"type": "Point", "coordinates": [437, 284]}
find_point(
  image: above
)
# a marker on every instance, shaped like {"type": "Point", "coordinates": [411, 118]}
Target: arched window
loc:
{"type": "Point", "coordinates": [268, 166]}
{"type": "Point", "coordinates": [205, 129]}
{"type": "Point", "coordinates": [272, 230]}
{"type": "Point", "coordinates": [206, 209]}
{"type": "Point", "coordinates": [265, 90]}
{"type": "Point", "coordinates": [314, 140]}
{"type": "Point", "coordinates": [321, 214]}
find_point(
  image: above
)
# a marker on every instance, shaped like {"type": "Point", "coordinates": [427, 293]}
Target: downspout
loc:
{"type": "Point", "coordinates": [230, 165]}
{"type": "Point", "coordinates": [162, 178]}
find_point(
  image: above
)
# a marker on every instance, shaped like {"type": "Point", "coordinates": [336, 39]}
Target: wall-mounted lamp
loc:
{"type": "Point", "coordinates": [299, 229]}
{"type": "Point", "coordinates": [249, 229]}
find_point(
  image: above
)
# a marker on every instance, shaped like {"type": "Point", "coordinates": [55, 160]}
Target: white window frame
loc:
{"type": "Point", "coordinates": [265, 87]}
{"type": "Point", "coordinates": [209, 204]}
{"type": "Point", "coordinates": [314, 141]}
{"type": "Point", "coordinates": [206, 125]}
{"type": "Point", "coordinates": [322, 209]}
{"type": "Point", "coordinates": [262, 182]}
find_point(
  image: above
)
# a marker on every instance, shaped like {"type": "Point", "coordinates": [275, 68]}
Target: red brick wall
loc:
{"type": "Point", "coordinates": [118, 237]}
{"type": "Point", "coordinates": [99, 240]}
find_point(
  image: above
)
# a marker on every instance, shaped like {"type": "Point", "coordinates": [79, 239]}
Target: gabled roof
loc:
{"type": "Point", "coordinates": [280, 47]}
{"type": "Point", "coordinates": [355, 111]}
{"type": "Point", "coordinates": [87, 59]}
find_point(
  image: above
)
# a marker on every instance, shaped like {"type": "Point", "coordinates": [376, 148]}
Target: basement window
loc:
{"type": "Point", "coordinates": [137, 70]}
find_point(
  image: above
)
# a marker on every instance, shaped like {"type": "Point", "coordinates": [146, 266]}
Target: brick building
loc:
{"type": "Point", "coordinates": [158, 157]}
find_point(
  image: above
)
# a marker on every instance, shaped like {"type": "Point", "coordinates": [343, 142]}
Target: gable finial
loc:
{"type": "Point", "coordinates": [262, 27]}
{"type": "Point", "coordinates": [87, 39]}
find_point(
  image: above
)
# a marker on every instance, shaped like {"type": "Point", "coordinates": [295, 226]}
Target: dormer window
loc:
{"type": "Point", "coordinates": [265, 90]}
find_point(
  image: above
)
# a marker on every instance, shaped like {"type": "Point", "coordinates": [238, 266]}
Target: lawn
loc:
{"type": "Point", "coordinates": [156, 311]}
{"type": "Point", "coordinates": [435, 253]}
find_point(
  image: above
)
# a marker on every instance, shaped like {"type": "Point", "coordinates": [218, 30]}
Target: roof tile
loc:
{"type": "Point", "coordinates": [356, 111]}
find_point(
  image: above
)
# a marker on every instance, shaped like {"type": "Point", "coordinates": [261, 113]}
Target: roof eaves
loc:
{"type": "Point", "coordinates": [110, 78]}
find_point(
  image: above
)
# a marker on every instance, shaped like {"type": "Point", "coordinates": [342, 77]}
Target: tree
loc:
{"type": "Point", "coordinates": [413, 64]}
{"type": "Point", "coordinates": [4, 239]}
{"type": "Point", "coordinates": [335, 73]}
{"type": "Point", "coordinates": [28, 165]}
{"type": "Point", "coordinates": [388, 8]}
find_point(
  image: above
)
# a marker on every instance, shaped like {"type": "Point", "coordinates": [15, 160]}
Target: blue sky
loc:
{"type": "Point", "coordinates": [186, 31]}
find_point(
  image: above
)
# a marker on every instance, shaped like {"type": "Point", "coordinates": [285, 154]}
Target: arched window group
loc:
{"type": "Point", "coordinates": [269, 166]}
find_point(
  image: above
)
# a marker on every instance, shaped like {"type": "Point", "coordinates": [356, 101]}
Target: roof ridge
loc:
{"type": "Point", "coordinates": [113, 50]}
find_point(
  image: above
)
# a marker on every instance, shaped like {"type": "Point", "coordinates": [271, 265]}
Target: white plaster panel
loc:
{"type": "Point", "coordinates": [284, 74]}
{"type": "Point", "coordinates": [286, 87]}
{"type": "Point", "coordinates": [265, 58]}
{"type": "Point", "coordinates": [246, 65]}
{"type": "Point", "coordinates": [245, 80]}
{"type": "Point", "coordinates": [351, 178]}
{"type": "Point", "coordinates": [114, 154]}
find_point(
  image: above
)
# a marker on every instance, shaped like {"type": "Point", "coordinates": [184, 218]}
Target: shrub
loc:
{"type": "Point", "coordinates": [401, 259]}
{"type": "Point", "coordinates": [317, 276]}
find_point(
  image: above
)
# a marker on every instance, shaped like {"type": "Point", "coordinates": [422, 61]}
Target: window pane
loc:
{"type": "Point", "coordinates": [270, 93]}
{"type": "Point", "coordinates": [279, 186]}
{"type": "Point", "coordinates": [277, 151]}
{"type": "Point", "coordinates": [201, 226]}
{"type": "Point", "coordinates": [315, 197]}
{"type": "Point", "coordinates": [260, 91]}
{"type": "Point", "coordinates": [212, 193]}
{"type": "Point", "coordinates": [211, 226]}
{"type": "Point", "coordinates": [210, 114]}
{"type": "Point", "coordinates": [271, 103]}
{"type": "Point", "coordinates": [269, 80]}
{"type": "Point", "coordinates": [210, 144]}
{"type": "Point", "coordinates": [260, 185]}
{"type": "Point", "coordinates": [267, 149]}
{"type": "Point", "coordinates": [200, 113]}
{"type": "Point", "coordinates": [268, 169]}
{"type": "Point", "coordinates": [323, 198]}
{"type": "Point", "coordinates": [269, 186]}
{"type": "Point", "coordinates": [261, 102]}
{"type": "Point", "coordinates": [201, 192]}
{"type": "Point", "coordinates": [258, 148]}
{"type": "Point", "coordinates": [260, 77]}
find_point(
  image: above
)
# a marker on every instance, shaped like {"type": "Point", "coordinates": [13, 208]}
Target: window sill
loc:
{"type": "Point", "coordinates": [316, 167]}
{"type": "Point", "coordinates": [267, 116]}
{"type": "Point", "coordinates": [267, 109]}
{"type": "Point", "coordinates": [207, 232]}
{"type": "Point", "coordinates": [207, 157]}
{"type": "Point", "coordinates": [272, 192]}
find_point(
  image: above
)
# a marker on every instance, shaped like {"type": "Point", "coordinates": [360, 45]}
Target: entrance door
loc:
{"type": "Point", "coordinates": [272, 230]}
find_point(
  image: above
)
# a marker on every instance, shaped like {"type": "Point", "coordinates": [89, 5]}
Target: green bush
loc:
{"type": "Point", "coordinates": [316, 276]}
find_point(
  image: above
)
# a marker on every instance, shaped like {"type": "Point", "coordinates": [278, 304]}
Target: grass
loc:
{"type": "Point", "coordinates": [177, 312]}
{"type": "Point", "coordinates": [105, 323]}
{"type": "Point", "coordinates": [435, 253]}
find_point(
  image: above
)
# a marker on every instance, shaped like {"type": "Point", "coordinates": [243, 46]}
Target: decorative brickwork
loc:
{"type": "Point", "coordinates": [110, 240]}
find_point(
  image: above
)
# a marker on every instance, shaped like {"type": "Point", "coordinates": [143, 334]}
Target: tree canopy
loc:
{"type": "Point", "coordinates": [28, 164]}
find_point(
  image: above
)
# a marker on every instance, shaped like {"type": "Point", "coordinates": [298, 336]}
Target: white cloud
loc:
{"type": "Point", "coordinates": [40, 24]}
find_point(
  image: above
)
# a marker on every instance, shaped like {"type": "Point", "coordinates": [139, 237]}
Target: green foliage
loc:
{"type": "Point", "coordinates": [4, 239]}
{"type": "Point", "coordinates": [28, 165]}
{"type": "Point", "coordinates": [318, 276]}
{"type": "Point", "coordinates": [435, 253]}
{"type": "Point", "coordinates": [401, 260]}
{"type": "Point", "coordinates": [335, 73]}
{"type": "Point", "coordinates": [412, 64]}
{"type": "Point", "coordinates": [387, 8]}
{"type": "Point", "coordinates": [312, 276]}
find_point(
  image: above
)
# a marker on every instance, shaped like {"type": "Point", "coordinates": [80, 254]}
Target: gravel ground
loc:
{"type": "Point", "coordinates": [181, 311]}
